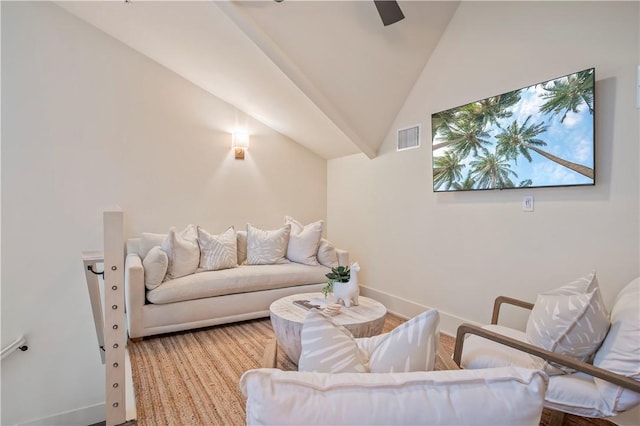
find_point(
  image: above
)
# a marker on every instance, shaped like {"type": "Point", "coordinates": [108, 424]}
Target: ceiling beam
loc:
{"type": "Point", "coordinates": [293, 72]}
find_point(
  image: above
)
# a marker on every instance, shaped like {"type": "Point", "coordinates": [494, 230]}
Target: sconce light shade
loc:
{"type": "Point", "coordinates": [240, 142]}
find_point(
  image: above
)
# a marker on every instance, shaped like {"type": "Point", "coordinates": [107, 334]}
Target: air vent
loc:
{"type": "Point", "coordinates": [409, 138]}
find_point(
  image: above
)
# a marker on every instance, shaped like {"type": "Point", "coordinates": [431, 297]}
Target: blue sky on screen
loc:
{"type": "Point", "coordinates": [571, 140]}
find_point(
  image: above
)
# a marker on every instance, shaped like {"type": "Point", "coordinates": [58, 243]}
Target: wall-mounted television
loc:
{"type": "Point", "coordinates": [538, 136]}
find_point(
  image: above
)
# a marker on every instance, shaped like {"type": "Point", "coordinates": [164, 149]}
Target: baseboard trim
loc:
{"type": "Point", "coordinates": [449, 323]}
{"type": "Point", "coordinates": [81, 416]}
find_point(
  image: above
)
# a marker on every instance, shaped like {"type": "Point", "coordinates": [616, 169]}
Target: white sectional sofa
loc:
{"type": "Point", "coordinates": [207, 298]}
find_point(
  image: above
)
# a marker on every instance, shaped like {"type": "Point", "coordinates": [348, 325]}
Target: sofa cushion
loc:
{"type": "Point", "coordinates": [571, 320]}
{"type": "Point", "coordinates": [329, 348]}
{"type": "Point", "coordinates": [451, 397]}
{"type": "Point", "coordinates": [327, 254]}
{"type": "Point", "coordinates": [620, 351]}
{"type": "Point", "coordinates": [183, 252]}
{"type": "Point", "coordinates": [304, 241]}
{"type": "Point", "coordinates": [217, 251]}
{"type": "Point", "coordinates": [411, 346]}
{"type": "Point", "coordinates": [155, 266]}
{"type": "Point", "coordinates": [242, 279]}
{"type": "Point", "coordinates": [267, 247]}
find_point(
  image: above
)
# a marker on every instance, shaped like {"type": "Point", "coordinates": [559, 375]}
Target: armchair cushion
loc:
{"type": "Point", "coordinates": [489, 396]}
{"type": "Point", "coordinates": [571, 320]}
{"type": "Point", "coordinates": [479, 352]}
{"type": "Point", "coordinates": [576, 394]}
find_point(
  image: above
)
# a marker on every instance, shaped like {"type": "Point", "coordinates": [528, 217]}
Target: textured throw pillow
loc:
{"type": "Point", "coordinates": [571, 320]}
{"type": "Point", "coordinates": [183, 252]}
{"type": "Point", "coordinates": [620, 351]}
{"type": "Point", "coordinates": [411, 346]}
{"type": "Point", "coordinates": [155, 266]}
{"type": "Point", "coordinates": [267, 247]}
{"type": "Point", "coordinates": [327, 255]}
{"type": "Point", "coordinates": [217, 251]}
{"type": "Point", "coordinates": [329, 348]}
{"type": "Point", "coordinates": [304, 241]}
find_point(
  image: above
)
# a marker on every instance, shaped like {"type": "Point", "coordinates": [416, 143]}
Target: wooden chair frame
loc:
{"type": "Point", "coordinates": [564, 360]}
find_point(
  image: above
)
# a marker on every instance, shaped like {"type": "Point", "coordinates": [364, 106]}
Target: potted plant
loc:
{"type": "Point", "coordinates": [339, 274]}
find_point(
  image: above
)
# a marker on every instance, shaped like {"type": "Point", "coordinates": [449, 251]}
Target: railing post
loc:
{"type": "Point", "coordinates": [114, 317]}
{"type": "Point", "coordinates": [90, 259]}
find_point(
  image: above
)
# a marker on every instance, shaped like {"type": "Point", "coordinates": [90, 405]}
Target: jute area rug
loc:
{"type": "Point", "coordinates": [191, 378]}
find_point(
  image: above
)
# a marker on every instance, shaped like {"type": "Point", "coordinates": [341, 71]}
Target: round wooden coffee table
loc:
{"type": "Point", "coordinates": [364, 320]}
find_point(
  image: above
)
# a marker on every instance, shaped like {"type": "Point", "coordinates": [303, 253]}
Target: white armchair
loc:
{"type": "Point", "coordinates": [397, 391]}
{"type": "Point", "coordinates": [511, 396]}
{"type": "Point", "coordinates": [605, 388]}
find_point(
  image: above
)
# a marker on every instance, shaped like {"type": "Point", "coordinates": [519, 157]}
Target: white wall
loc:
{"type": "Point", "coordinates": [457, 251]}
{"type": "Point", "coordinates": [88, 124]}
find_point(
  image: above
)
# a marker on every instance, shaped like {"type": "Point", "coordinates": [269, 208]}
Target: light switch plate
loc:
{"type": "Point", "coordinates": [527, 203]}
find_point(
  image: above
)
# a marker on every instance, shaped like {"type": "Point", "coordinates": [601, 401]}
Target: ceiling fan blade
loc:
{"type": "Point", "coordinates": [389, 11]}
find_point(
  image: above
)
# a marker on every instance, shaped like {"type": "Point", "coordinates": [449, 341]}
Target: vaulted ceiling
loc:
{"type": "Point", "coordinates": [327, 74]}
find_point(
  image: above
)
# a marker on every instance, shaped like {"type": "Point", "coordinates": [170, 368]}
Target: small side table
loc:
{"type": "Point", "coordinates": [364, 320]}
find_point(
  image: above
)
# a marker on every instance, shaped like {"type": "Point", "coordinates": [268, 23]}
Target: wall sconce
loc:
{"type": "Point", "coordinates": [240, 142]}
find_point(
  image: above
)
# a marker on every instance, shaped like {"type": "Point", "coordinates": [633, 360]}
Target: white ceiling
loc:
{"type": "Point", "coordinates": [327, 74]}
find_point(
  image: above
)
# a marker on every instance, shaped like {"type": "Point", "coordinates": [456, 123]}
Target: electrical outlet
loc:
{"type": "Point", "coordinates": [527, 203]}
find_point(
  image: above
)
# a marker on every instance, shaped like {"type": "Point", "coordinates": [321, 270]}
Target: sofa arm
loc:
{"type": "Point", "coordinates": [135, 294]}
{"type": "Point", "coordinates": [343, 256]}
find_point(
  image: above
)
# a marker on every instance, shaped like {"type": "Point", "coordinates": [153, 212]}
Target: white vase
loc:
{"type": "Point", "coordinates": [347, 293]}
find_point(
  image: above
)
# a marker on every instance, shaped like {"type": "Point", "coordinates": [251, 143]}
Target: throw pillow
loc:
{"type": "Point", "coordinates": [217, 251]}
{"type": "Point", "coordinates": [327, 255]}
{"type": "Point", "coordinates": [571, 320]}
{"type": "Point", "coordinates": [155, 266]}
{"type": "Point", "coordinates": [148, 241]}
{"type": "Point", "coordinates": [242, 246]}
{"type": "Point", "coordinates": [304, 241]}
{"type": "Point", "coordinates": [411, 346]}
{"type": "Point", "coordinates": [267, 247]}
{"type": "Point", "coordinates": [329, 348]}
{"type": "Point", "coordinates": [183, 252]}
{"type": "Point", "coordinates": [620, 351]}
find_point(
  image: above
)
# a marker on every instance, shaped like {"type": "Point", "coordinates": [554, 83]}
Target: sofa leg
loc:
{"type": "Point", "coordinates": [136, 339]}
{"type": "Point", "coordinates": [556, 418]}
